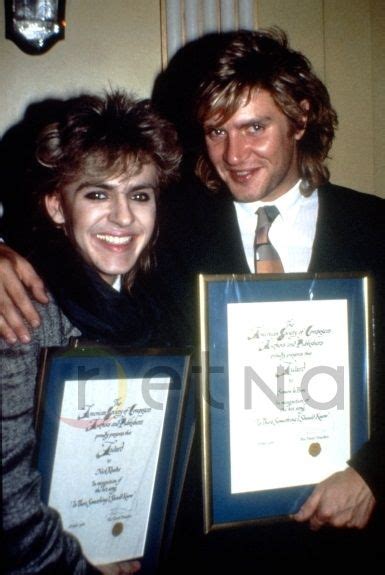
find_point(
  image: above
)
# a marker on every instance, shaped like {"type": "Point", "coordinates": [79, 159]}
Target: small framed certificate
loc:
{"type": "Point", "coordinates": [286, 365]}
{"type": "Point", "coordinates": [108, 426]}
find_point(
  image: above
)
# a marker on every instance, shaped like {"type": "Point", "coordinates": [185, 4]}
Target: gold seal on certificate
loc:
{"type": "Point", "coordinates": [314, 449]}
{"type": "Point", "coordinates": [117, 529]}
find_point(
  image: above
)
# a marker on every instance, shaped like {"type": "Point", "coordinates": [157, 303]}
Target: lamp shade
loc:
{"type": "Point", "coordinates": [34, 25]}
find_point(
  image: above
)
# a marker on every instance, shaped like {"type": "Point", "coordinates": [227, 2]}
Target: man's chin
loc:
{"type": "Point", "coordinates": [246, 196]}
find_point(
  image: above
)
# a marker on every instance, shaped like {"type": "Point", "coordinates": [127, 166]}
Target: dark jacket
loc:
{"type": "Point", "coordinates": [201, 235]}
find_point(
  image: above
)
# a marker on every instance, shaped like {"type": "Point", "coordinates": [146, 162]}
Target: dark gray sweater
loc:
{"type": "Point", "coordinates": [34, 540]}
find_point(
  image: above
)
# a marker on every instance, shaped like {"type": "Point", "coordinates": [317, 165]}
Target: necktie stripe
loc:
{"type": "Point", "coordinates": [267, 259]}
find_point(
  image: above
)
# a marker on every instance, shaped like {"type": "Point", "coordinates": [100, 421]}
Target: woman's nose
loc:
{"type": "Point", "coordinates": [121, 212]}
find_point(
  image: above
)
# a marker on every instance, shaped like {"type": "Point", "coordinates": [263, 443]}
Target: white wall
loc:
{"type": "Point", "coordinates": [107, 42]}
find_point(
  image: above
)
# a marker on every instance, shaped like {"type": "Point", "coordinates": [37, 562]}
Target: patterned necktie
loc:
{"type": "Point", "coordinates": [267, 259]}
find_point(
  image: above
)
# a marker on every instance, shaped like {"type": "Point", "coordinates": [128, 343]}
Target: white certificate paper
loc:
{"type": "Point", "coordinates": [288, 392]}
{"type": "Point", "coordinates": [105, 464]}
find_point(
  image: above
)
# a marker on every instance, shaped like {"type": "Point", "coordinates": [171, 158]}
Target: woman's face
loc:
{"type": "Point", "coordinates": [110, 221]}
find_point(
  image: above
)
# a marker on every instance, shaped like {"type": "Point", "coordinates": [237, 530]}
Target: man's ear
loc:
{"type": "Point", "coordinates": [53, 205]}
{"type": "Point", "coordinates": [305, 106]}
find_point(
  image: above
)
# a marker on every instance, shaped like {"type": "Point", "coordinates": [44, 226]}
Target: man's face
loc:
{"type": "Point", "coordinates": [255, 151]}
{"type": "Point", "coordinates": [109, 221]}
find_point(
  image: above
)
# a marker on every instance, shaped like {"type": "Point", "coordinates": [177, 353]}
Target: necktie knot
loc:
{"type": "Point", "coordinates": [266, 216]}
{"type": "Point", "coordinates": [267, 259]}
{"type": "Point", "coordinates": [270, 212]}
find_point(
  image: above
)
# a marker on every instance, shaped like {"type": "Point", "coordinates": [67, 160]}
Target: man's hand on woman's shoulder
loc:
{"type": "Point", "coordinates": [19, 283]}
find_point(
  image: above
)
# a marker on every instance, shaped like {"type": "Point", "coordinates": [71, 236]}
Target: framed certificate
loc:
{"type": "Point", "coordinates": [285, 388]}
{"type": "Point", "coordinates": [109, 422]}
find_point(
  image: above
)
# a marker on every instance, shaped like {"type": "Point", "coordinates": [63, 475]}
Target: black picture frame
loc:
{"type": "Point", "coordinates": [72, 374]}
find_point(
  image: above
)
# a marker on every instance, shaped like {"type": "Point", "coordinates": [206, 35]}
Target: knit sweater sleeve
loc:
{"type": "Point", "coordinates": [35, 541]}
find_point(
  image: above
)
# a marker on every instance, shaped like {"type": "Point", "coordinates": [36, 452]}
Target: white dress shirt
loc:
{"type": "Point", "coordinates": [291, 233]}
{"type": "Point", "coordinates": [117, 285]}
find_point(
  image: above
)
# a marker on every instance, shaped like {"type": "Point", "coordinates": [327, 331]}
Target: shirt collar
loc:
{"type": "Point", "coordinates": [117, 285]}
{"type": "Point", "coordinates": [284, 203]}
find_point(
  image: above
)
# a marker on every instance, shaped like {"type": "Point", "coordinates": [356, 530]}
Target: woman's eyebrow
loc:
{"type": "Point", "coordinates": [94, 184]}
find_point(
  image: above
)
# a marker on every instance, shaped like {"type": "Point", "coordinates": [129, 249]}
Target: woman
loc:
{"type": "Point", "coordinates": [95, 183]}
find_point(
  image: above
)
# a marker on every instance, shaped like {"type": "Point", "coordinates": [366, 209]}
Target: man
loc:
{"type": "Point", "coordinates": [268, 126]}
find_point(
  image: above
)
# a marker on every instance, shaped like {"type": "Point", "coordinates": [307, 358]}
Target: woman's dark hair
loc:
{"type": "Point", "coordinates": [104, 135]}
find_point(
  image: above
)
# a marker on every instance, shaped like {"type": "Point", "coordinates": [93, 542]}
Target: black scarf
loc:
{"type": "Point", "coordinates": [100, 312]}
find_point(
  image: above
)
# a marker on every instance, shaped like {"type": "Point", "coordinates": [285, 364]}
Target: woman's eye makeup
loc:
{"type": "Point", "coordinates": [95, 195]}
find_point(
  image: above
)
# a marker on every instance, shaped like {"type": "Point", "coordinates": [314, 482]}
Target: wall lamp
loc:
{"type": "Point", "coordinates": [34, 25]}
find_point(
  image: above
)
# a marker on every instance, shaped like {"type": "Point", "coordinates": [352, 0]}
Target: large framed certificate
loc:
{"type": "Point", "coordinates": [285, 388]}
{"type": "Point", "coordinates": [109, 422]}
